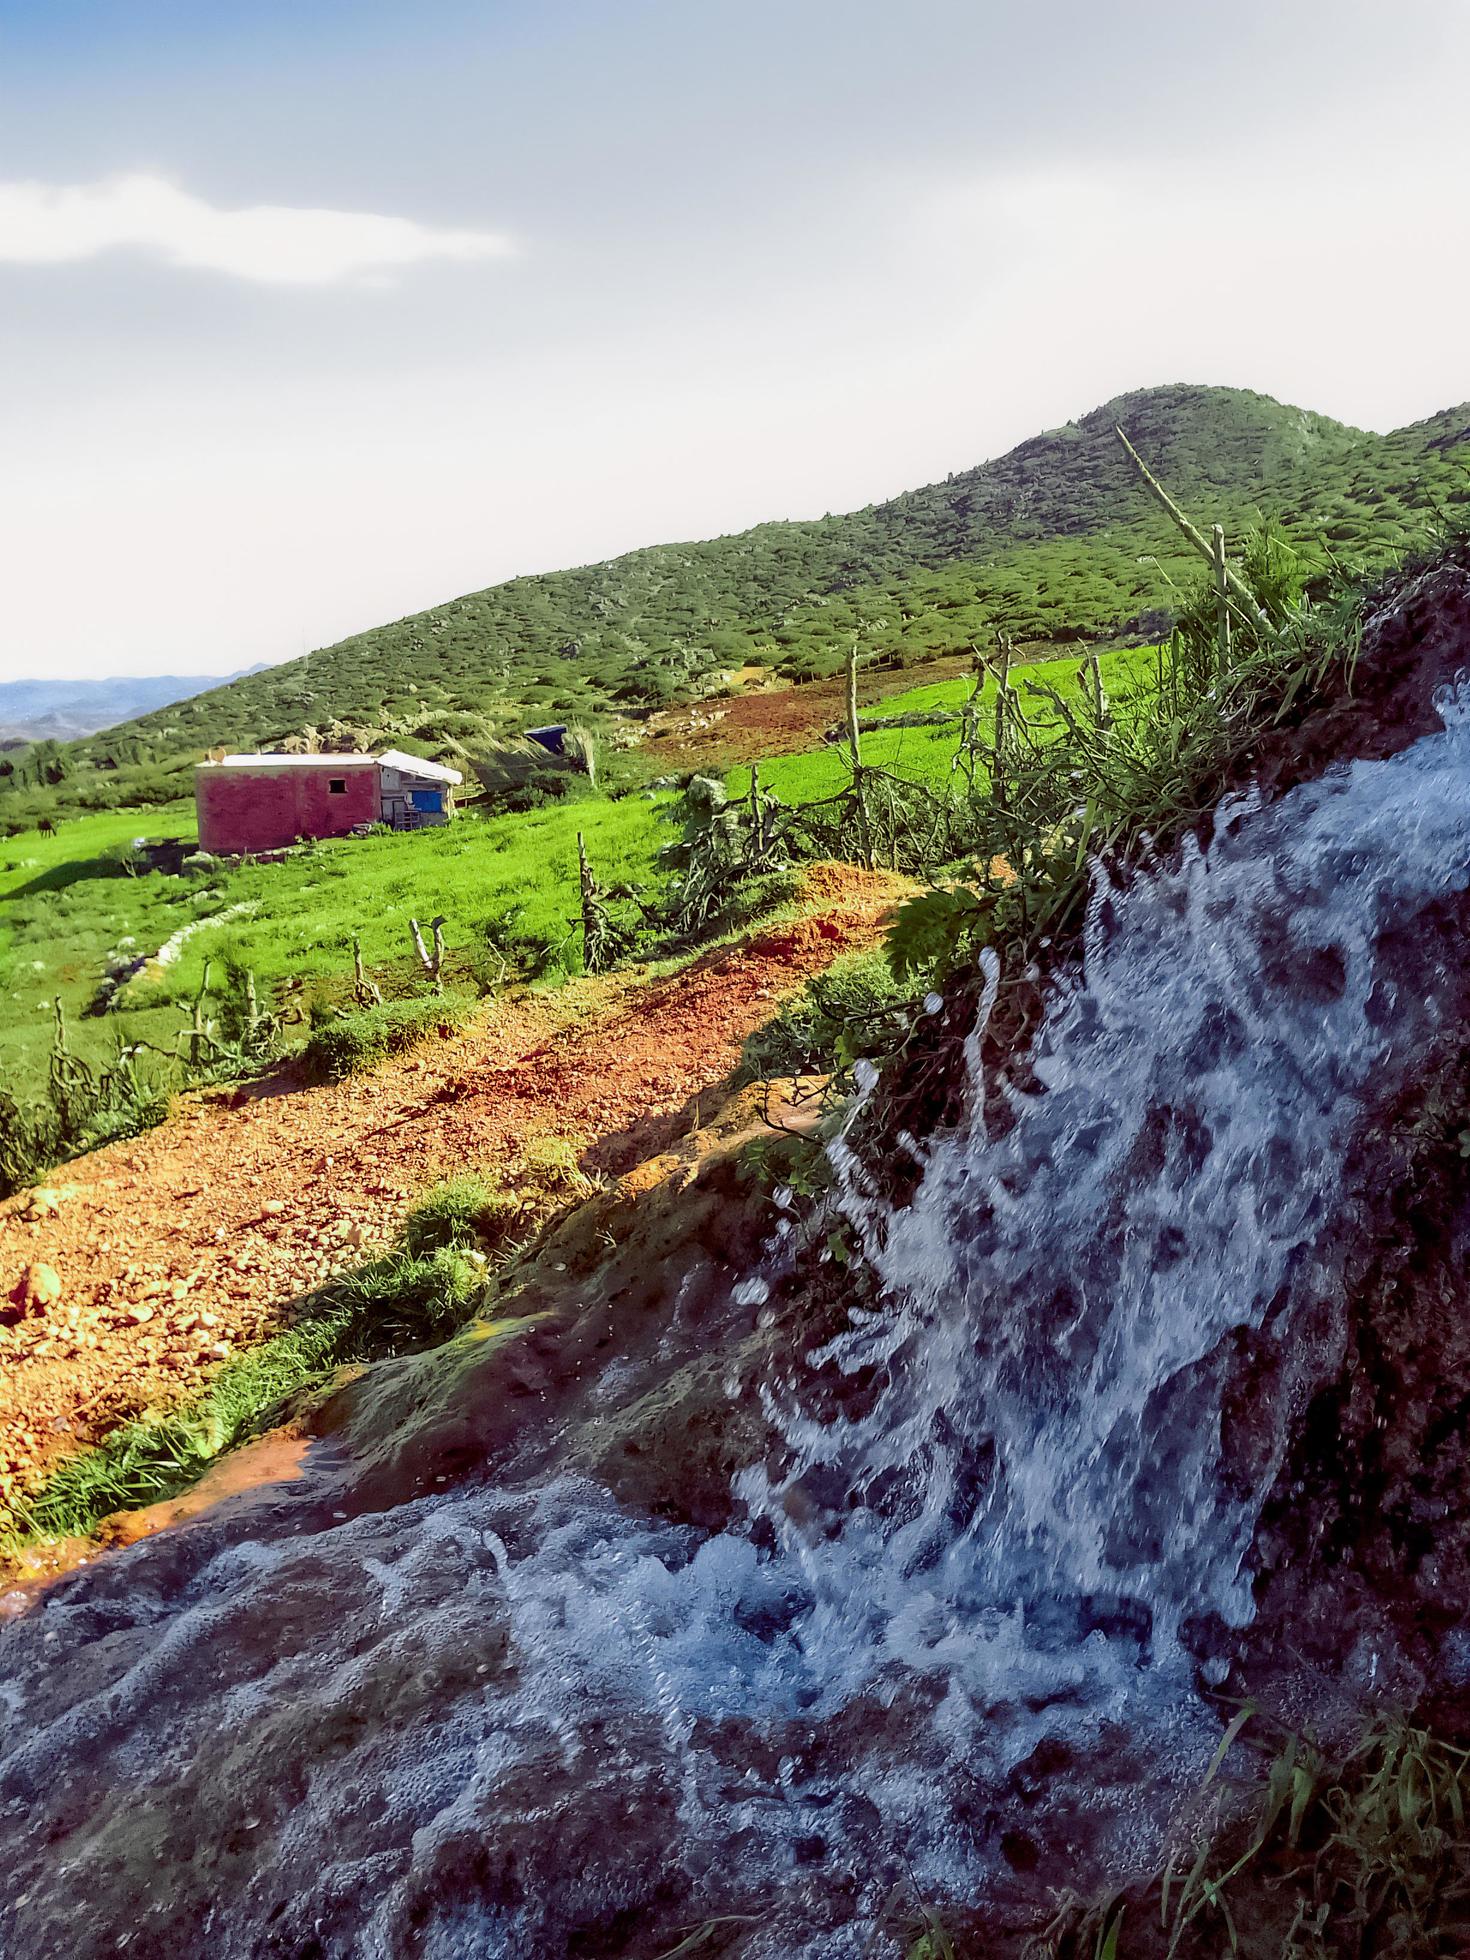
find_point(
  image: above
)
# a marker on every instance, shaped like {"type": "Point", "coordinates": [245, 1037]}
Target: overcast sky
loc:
{"type": "Point", "coordinates": [315, 312]}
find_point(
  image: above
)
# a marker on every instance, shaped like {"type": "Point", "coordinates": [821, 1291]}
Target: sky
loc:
{"type": "Point", "coordinates": [317, 312]}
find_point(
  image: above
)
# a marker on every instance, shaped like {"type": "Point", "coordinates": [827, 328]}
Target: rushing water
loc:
{"type": "Point", "coordinates": [482, 1720]}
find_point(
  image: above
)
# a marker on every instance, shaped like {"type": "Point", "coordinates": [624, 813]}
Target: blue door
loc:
{"type": "Point", "coordinates": [430, 801]}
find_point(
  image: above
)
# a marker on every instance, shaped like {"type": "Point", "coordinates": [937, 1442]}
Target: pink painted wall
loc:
{"type": "Point", "coordinates": [265, 809]}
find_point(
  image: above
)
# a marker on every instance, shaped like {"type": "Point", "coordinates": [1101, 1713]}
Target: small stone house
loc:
{"type": "Point", "coordinates": [264, 802]}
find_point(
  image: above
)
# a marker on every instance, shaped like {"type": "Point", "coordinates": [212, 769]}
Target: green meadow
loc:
{"type": "Point", "coordinates": [501, 883]}
{"type": "Point", "coordinates": [64, 908]}
{"type": "Point", "coordinates": [506, 885]}
{"type": "Point", "coordinates": [926, 754]}
{"type": "Point", "coordinates": [509, 882]}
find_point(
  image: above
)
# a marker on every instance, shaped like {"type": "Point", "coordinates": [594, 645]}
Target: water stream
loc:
{"type": "Point", "coordinates": [488, 1718]}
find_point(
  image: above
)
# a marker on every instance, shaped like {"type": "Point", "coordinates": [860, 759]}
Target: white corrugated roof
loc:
{"type": "Point", "coordinates": [408, 765]}
{"type": "Point", "coordinates": [415, 765]}
{"type": "Point", "coordinates": [275, 759]}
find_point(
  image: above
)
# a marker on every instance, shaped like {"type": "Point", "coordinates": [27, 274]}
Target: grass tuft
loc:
{"type": "Point", "coordinates": [1362, 1855]}
{"type": "Point", "coordinates": [409, 1299]}
{"type": "Point", "coordinates": [415, 1296]}
{"type": "Point", "coordinates": [160, 1454]}
{"type": "Point", "coordinates": [350, 1043]}
{"type": "Point", "coordinates": [453, 1215]}
{"type": "Point", "coordinates": [403, 1301]}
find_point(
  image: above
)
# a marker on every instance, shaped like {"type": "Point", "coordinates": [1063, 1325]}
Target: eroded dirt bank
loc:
{"type": "Point", "coordinates": [178, 1248]}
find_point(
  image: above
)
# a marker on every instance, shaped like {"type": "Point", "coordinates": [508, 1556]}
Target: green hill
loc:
{"type": "Point", "coordinates": [1054, 540]}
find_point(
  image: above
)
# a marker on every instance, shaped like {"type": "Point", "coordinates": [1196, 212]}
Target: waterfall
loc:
{"type": "Point", "coordinates": [510, 1709]}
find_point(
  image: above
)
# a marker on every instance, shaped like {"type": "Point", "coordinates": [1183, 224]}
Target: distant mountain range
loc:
{"type": "Point", "coordinates": [63, 711]}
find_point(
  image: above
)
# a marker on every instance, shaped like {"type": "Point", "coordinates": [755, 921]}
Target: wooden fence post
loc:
{"type": "Point", "coordinates": [998, 794]}
{"type": "Point", "coordinates": [367, 991]}
{"type": "Point", "coordinates": [1222, 603]}
{"type": "Point", "coordinates": [430, 962]}
{"type": "Point", "coordinates": [855, 743]}
{"type": "Point", "coordinates": [591, 910]}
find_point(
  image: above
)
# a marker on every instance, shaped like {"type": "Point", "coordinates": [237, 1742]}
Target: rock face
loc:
{"type": "Point", "coordinates": [1363, 1554]}
{"type": "Point", "coordinates": [38, 1286]}
{"type": "Point", "coordinates": [706, 1584]}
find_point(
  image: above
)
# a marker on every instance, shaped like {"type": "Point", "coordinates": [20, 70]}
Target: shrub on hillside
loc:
{"type": "Point", "coordinates": [353, 1042]}
{"type": "Point", "coordinates": [409, 1300]}
{"type": "Point", "coordinates": [461, 1214]}
{"type": "Point", "coordinates": [125, 860]}
{"type": "Point", "coordinates": [853, 1010]}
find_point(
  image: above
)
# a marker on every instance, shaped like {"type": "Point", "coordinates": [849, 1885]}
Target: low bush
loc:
{"type": "Point", "coordinates": [460, 1214]}
{"type": "Point", "coordinates": [856, 1008]}
{"type": "Point", "coordinates": [350, 1043]}
{"type": "Point", "coordinates": [127, 860]}
{"type": "Point", "coordinates": [521, 775]}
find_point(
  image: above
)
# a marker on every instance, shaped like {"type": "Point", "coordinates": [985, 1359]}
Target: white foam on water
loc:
{"type": "Point", "coordinates": [1017, 1535]}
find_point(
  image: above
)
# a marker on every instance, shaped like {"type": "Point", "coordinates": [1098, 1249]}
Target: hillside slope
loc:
{"type": "Point", "coordinates": [613, 1067]}
{"type": "Point", "coordinates": [1053, 540]}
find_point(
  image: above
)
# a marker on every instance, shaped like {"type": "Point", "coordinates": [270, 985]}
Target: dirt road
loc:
{"type": "Point", "coordinates": [178, 1248]}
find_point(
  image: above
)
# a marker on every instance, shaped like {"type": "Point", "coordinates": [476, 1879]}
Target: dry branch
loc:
{"type": "Point", "coordinates": [1234, 584]}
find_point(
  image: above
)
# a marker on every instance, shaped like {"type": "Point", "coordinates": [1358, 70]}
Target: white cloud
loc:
{"type": "Point", "coordinates": [274, 244]}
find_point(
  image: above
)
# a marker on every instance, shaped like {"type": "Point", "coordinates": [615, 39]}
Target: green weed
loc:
{"type": "Point", "coordinates": [856, 1008]}
{"type": "Point", "coordinates": [1071, 776]}
{"type": "Point", "coordinates": [408, 1299]}
{"type": "Point", "coordinates": [349, 1043]}
{"type": "Point", "coordinates": [452, 1215]}
{"type": "Point", "coordinates": [162, 1453]}
{"type": "Point", "coordinates": [1360, 1856]}
{"type": "Point", "coordinates": [400, 1302]}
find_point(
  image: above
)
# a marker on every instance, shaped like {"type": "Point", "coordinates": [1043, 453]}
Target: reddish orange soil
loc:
{"type": "Point", "coordinates": [176, 1249]}
{"type": "Point", "coordinates": [776, 720]}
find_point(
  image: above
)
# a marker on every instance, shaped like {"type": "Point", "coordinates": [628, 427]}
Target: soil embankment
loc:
{"type": "Point", "coordinates": [776, 720]}
{"type": "Point", "coordinates": [177, 1249]}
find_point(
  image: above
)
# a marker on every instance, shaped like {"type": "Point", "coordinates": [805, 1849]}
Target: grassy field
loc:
{"type": "Point", "coordinates": [503, 883]}
{"type": "Point", "coordinates": [503, 879]}
{"type": "Point", "coordinates": [925, 754]}
{"type": "Point", "coordinates": [64, 909]}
